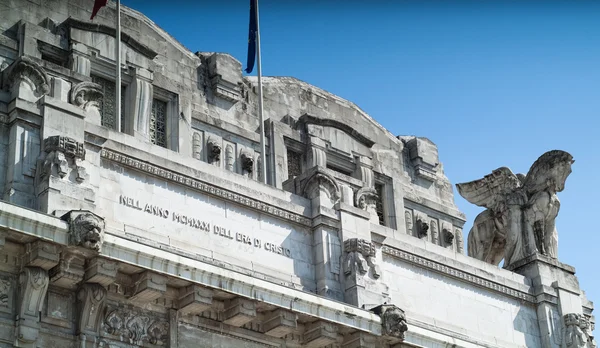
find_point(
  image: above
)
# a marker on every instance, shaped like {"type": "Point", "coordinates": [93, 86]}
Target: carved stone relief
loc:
{"type": "Point", "coordinates": [136, 327]}
{"type": "Point", "coordinates": [87, 96]}
{"type": "Point", "coordinates": [91, 304]}
{"type": "Point", "coordinates": [25, 72]}
{"type": "Point", "coordinates": [197, 146]}
{"type": "Point", "coordinates": [366, 199]}
{"type": "Point", "coordinates": [459, 241]}
{"type": "Point", "coordinates": [33, 283]}
{"type": "Point", "coordinates": [422, 226]}
{"type": "Point", "coordinates": [322, 182]}
{"type": "Point", "coordinates": [448, 237]}
{"type": "Point", "coordinates": [435, 235]}
{"type": "Point", "coordinates": [247, 162]}
{"type": "Point", "coordinates": [408, 220]}
{"type": "Point", "coordinates": [229, 159]}
{"type": "Point", "coordinates": [85, 229]}
{"type": "Point", "coordinates": [360, 258]}
{"type": "Point", "coordinates": [5, 293]}
{"type": "Point", "coordinates": [63, 155]}
{"type": "Point", "coordinates": [214, 150]}
{"type": "Point", "coordinates": [577, 332]}
{"type": "Point", "coordinates": [393, 320]}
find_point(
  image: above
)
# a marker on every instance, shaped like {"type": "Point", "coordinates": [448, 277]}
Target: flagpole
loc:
{"type": "Point", "coordinates": [261, 120]}
{"type": "Point", "coordinates": [118, 69]}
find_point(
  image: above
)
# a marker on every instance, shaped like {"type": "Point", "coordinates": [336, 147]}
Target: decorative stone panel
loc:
{"type": "Point", "coordinates": [135, 326]}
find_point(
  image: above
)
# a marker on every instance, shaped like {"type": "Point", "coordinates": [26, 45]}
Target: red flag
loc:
{"type": "Point", "coordinates": [97, 6]}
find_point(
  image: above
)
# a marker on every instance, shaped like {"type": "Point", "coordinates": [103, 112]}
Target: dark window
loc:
{"type": "Point", "coordinates": [379, 204]}
{"type": "Point", "coordinates": [107, 105]}
{"type": "Point", "coordinates": [294, 164]}
{"type": "Point", "coordinates": [158, 123]}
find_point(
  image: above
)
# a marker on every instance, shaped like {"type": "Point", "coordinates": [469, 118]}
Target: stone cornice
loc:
{"type": "Point", "coordinates": [204, 187]}
{"type": "Point", "coordinates": [239, 284]}
{"type": "Point", "coordinates": [458, 274]}
{"type": "Point", "coordinates": [308, 119]}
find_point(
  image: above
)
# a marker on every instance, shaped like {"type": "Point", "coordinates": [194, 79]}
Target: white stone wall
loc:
{"type": "Point", "coordinates": [433, 299]}
{"type": "Point", "coordinates": [235, 243]}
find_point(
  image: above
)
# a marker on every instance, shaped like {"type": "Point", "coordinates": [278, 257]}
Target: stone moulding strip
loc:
{"type": "Point", "coordinates": [204, 187]}
{"type": "Point", "coordinates": [455, 273]}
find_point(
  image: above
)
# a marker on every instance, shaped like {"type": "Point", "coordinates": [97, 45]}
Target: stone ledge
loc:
{"type": "Point", "coordinates": [240, 284]}
{"type": "Point", "coordinates": [463, 272]}
{"type": "Point", "coordinates": [33, 223]}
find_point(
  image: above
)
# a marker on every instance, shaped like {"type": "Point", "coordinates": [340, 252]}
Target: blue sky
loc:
{"type": "Point", "coordinates": [491, 83]}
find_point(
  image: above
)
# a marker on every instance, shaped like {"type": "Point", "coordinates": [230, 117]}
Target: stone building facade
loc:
{"type": "Point", "coordinates": [154, 229]}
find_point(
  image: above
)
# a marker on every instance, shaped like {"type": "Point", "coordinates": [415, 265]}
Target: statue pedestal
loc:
{"type": "Point", "coordinates": [564, 314]}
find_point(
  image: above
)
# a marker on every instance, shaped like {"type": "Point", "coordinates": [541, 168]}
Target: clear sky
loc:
{"type": "Point", "coordinates": [491, 83]}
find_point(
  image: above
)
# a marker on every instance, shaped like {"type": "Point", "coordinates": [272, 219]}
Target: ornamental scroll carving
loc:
{"type": "Point", "coordinates": [85, 229]}
{"type": "Point", "coordinates": [62, 155]}
{"type": "Point", "coordinates": [136, 327]}
{"type": "Point", "coordinates": [322, 182]}
{"type": "Point", "coordinates": [521, 210]}
{"type": "Point", "coordinates": [87, 95]}
{"type": "Point", "coordinates": [360, 258]}
{"type": "Point", "coordinates": [393, 321]}
{"type": "Point", "coordinates": [25, 71]}
{"type": "Point", "coordinates": [577, 332]}
{"type": "Point", "coordinates": [366, 199]}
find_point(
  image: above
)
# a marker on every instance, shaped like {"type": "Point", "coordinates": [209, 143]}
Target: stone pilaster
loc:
{"type": "Point", "coordinates": [560, 309]}
{"type": "Point", "coordinates": [141, 103]}
{"type": "Point", "coordinates": [316, 155]}
{"type": "Point", "coordinates": [79, 59]}
{"type": "Point", "coordinates": [33, 283]}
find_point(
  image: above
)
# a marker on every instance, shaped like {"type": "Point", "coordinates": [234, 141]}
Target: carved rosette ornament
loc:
{"type": "Point", "coordinates": [62, 154]}
{"type": "Point", "coordinates": [393, 321]}
{"type": "Point", "coordinates": [360, 257]}
{"type": "Point", "coordinates": [214, 150]}
{"type": "Point", "coordinates": [247, 162]}
{"type": "Point", "coordinates": [86, 229]}
{"type": "Point", "coordinates": [26, 72]}
{"type": "Point", "coordinates": [87, 95]}
{"type": "Point", "coordinates": [577, 332]}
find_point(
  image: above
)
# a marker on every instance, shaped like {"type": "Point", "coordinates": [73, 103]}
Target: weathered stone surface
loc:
{"type": "Point", "coordinates": [522, 210]}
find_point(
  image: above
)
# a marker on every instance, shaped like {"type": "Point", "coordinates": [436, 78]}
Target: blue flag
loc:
{"type": "Point", "coordinates": [252, 37]}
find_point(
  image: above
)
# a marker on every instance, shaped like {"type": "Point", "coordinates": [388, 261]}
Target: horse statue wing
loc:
{"type": "Point", "coordinates": [490, 190]}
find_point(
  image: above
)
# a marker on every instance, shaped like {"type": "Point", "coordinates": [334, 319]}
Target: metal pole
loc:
{"type": "Point", "coordinates": [263, 154]}
{"type": "Point", "coordinates": [118, 69]}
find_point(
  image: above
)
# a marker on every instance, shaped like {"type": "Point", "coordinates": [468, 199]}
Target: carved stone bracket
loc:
{"type": "Point", "coordinates": [360, 257]}
{"type": "Point", "coordinates": [247, 162]}
{"type": "Point", "coordinates": [86, 95]}
{"type": "Point", "coordinates": [320, 333]}
{"type": "Point", "coordinates": [214, 150]}
{"type": "Point", "coordinates": [239, 311]}
{"type": "Point", "coordinates": [195, 299]}
{"type": "Point", "coordinates": [577, 332]}
{"type": "Point", "coordinates": [91, 305]}
{"type": "Point", "coordinates": [393, 321]}
{"type": "Point", "coordinates": [33, 284]}
{"type": "Point", "coordinates": [148, 287]}
{"type": "Point", "coordinates": [100, 271]}
{"type": "Point", "coordinates": [280, 322]}
{"type": "Point", "coordinates": [360, 339]}
{"type": "Point", "coordinates": [63, 153]}
{"type": "Point", "coordinates": [86, 229]}
{"type": "Point", "coordinates": [26, 70]}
